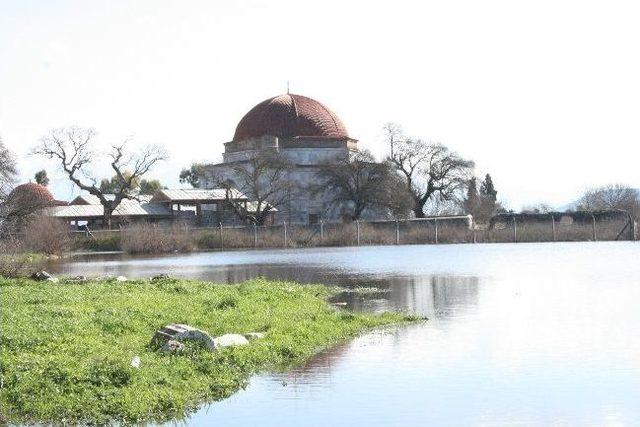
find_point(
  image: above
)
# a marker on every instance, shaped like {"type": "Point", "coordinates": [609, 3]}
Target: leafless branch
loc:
{"type": "Point", "coordinates": [73, 148]}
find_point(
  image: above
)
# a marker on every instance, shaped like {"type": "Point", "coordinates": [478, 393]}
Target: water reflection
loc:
{"type": "Point", "coordinates": [530, 334]}
{"type": "Point", "coordinates": [430, 296]}
{"type": "Point", "coordinates": [433, 296]}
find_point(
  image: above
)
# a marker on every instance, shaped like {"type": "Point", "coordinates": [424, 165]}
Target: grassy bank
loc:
{"type": "Point", "coordinates": [66, 349]}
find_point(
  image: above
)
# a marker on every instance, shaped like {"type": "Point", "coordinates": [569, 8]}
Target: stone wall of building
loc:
{"type": "Point", "coordinates": [303, 206]}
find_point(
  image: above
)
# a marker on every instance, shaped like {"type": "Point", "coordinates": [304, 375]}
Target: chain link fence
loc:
{"type": "Point", "coordinates": [434, 230]}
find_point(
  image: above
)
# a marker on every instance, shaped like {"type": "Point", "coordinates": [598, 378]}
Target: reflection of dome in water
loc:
{"type": "Point", "coordinates": [288, 116]}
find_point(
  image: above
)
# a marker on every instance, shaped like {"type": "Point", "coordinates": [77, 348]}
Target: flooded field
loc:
{"type": "Point", "coordinates": [525, 334]}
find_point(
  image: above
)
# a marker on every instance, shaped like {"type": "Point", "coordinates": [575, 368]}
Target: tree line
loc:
{"type": "Point", "coordinates": [413, 175]}
{"type": "Point", "coordinates": [417, 177]}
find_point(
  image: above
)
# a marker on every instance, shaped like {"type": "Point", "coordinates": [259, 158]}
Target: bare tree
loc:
{"type": "Point", "coordinates": [264, 178]}
{"type": "Point", "coordinates": [540, 208]}
{"type": "Point", "coordinates": [357, 182]}
{"type": "Point", "coordinates": [73, 148]}
{"type": "Point", "coordinates": [613, 196]}
{"type": "Point", "coordinates": [429, 169]}
{"type": "Point", "coordinates": [8, 171]}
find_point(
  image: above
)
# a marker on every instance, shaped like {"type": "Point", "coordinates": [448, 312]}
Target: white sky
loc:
{"type": "Point", "coordinates": [544, 95]}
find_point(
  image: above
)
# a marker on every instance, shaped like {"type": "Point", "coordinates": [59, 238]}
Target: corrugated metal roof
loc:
{"type": "Point", "coordinates": [125, 208]}
{"type": "Point", "coordinates": [200, 194]}
{"type": "Point", "coordinates": [93, 200]}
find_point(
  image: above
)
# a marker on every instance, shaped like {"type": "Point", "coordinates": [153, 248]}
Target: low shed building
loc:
{"type": "Point", "coordinates": [127, 212]}
{"type": "Point", "coordinates": [202, 207]}
{"type": "Point", "coordinates": [191, 206]}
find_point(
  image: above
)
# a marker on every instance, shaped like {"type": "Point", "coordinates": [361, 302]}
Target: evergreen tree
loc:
{"type": "Point", "coordinates": [113, 185]}
{"type": "Point", "coordinates": [193, 175]}
{"type": "Point", "coordinates": [42, 178]}
{"type": "Point", "coordinates": [488, 198]}
{"type": "Point", "coordinates": [150, 186]}
{"type": "Point", "coordinates": [487, 189]}
{"type": "Point", "coordinates": [471, 202]}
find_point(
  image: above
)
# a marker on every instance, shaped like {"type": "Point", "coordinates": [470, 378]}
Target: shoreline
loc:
{"type": "Point", "coordinates": [67, 348]}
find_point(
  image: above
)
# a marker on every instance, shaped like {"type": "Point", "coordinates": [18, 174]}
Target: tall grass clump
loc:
{"type": "Point", "coordinates": [46, 235]}
{"type": "Point", "coordinates": [15, 261]}
{"type": "Point", "coordinates": [98, 241]}
{"type": "Point", "coordinates": [151, 239]}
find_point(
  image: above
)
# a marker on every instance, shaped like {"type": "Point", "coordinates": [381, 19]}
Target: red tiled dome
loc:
{"type": "Point", "coordinates": [289, 115]}
{"type": "Point", "coordinates": [31, 194]}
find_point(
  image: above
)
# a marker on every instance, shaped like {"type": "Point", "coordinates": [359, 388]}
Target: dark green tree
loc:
{"type": "Point", "coordinates": [193, 175]}
{"type": "Point", "coordinates": [488, 200]}
{"type": "Point", "coordinates": [42, 178]}
{"type": "Point", "coordinates": [113, 184]}
{"type": "Point", "coordinates": [487, 188]}
{"type": "Point", "coordinates": [150, 186]}
{"type": "Point", "coordinates": [471, 202]}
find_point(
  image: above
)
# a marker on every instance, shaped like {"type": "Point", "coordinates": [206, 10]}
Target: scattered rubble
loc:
{"type": "Point", "coordinates": [135, 362]}
{"type": "Point", "coordinates": [170, 339]}
{"type": "Point", "coordinates": [179, 332]}
{"type": "Point", "coordinates": [254, 336]}
{"type": "Point", "coordinates": [41, 276]}
{"type": "Point", "coordinates": [172, 346]}
{"type": "Point", "coordinates": [230, 340]}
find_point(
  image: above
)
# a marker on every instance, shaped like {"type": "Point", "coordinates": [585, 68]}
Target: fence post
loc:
{"type": "Point", "coordinates": [475, 240]}
{"type": "Point", "coordinates": [515, 230]}
{"type": "Point", "coordinates": [633, 227]}
{"type": "Point", "coordinates": [397, 232]}
{"type": "Point", "coordinates": [285, 233]}
{"type": "Point", "coordinates": [436, 222]}
{"type": "Point", "coordinates": [221, 238]}
{"type": "Point", "coordinates": [321, 230]}
{"type": "Point", "coordinates": [255, 235]}
{"type": "Point", "coordinates": [593, 227]}
{"type": "Point", "coordinates": [553, 227]}
{"type": "Point", "coordinates": [358, 232]}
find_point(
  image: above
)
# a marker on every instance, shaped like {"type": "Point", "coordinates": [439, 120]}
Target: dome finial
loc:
{"type": "Point", "coordinates": [287, 87]}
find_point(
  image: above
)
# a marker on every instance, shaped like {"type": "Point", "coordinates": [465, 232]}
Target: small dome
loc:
{"type": "Point", "coordinates": [288, 116]}
{"type": "Point", "coordinates": [31, 195]}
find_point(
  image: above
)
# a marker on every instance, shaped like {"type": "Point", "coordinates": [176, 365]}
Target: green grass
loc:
{"type": "Point", "coordinates": [66, 349]}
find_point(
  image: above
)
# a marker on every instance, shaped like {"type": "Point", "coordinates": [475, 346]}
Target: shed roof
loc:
{"type": "Point", "coordinates": [196, 194]}
{"type": "Point", "coordinates": [125, 208]}
{"type": "Point", "coordinates": [90, 199]}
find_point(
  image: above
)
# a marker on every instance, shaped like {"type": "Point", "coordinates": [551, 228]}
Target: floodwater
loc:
{"type": "Point", "coordinates": [518, 334]}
